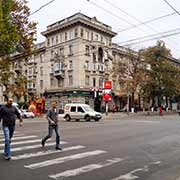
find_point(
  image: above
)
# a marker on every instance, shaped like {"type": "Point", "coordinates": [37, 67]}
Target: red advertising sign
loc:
{"type": "Point", "coordinates": [106, 97]}
{"type": "Point", "coordinates": [107, 85]}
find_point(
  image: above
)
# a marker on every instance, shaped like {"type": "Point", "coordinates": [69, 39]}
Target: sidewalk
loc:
{"type": "Point", "coordinates": [117, 115]}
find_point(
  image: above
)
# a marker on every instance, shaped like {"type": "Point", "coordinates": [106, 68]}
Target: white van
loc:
{"type": "Point", "coordinates": [80, 111]}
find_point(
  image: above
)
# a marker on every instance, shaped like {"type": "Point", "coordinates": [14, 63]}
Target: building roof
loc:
{"type": "Point", "coordinates": [79, 18]}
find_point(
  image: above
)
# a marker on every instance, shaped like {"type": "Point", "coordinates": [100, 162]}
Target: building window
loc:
{"type": "Point", "coordinates": [94, 82]}
{"type": "Point", "coordinates": [76, 33]}
{"type": "Point", "coordinates": [87, 35]}
{"type": "Point", "coordinates": [41, 58]}
{"type": "Point", "coordinates": [30, 71]}
{"type": "Point", "coordinates": [52, 82]}
{"type": "Point", "coordinates": [110, 43]}
{"type": "Point", "coordinates": [60, 82]}
{"type": "Point", "coordinates": [52, 53]}
{"type": "Point", "coordinates": [92, 36]}
{"type": "Point", "coordinates": [96, 37]}
{"type": "Point", "coordinates": [61, 51]}
{"type": "Point", "coordinates": [61, 38]}
{"type": "Point", "coordinates": [41, 71]}
{"type": "Point", "coordinates": [52, 68]}
{"type": "Point", "coordinates": [48, 41]}
{"type": "Point", "coordinates": [52, 40]}
{"type": "Point", "coordinates": [70, 65]}
{"type": "Point", "coordinates": [87, 50]}
{"type": "Point", "coordinates": [100, 82]}
{"type": "Point", "coordinates": [82, 33]}
{"type": "Point", "coordinates": [70, 80]}
{"type": "Point", "coordinates": [70, 49]}
{"type": "Point", "coordinates": [41, 84]}
{"type": "Point", "coordinates": [94, 57]}
{"type": "Point", "coordinates": [106, 41]}
{"type": "Point", "coordinates": [71, 35]}
{"type": "Point", "coordinates": [100, 55]}
{"type": "Point", "coordinates": [57, 39]}
{"type": "Point", "coordinates": [87, 80]}
{"type": "Point", "coordinates": [66, 36]}
{"type": "Point", "coordinates": [102, 39]}
{"type": "Point", "coordinates": [34, 70]}
{"type": "Point", "coordinates": [86, 66]}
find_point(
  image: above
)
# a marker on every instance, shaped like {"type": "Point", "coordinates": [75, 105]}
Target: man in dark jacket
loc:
{"type": "Point", "coordinates": [8, 114]}
{"type": "Point", "coordinates": [52, 117]}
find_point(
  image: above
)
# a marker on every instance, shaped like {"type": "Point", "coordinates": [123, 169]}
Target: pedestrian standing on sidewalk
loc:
{"type": "Point", "coordinates": [52, 117]}
{"type": "Point", "coordinates": [8, 114]}
{"type": "Point", "coordinates": [160, 111]}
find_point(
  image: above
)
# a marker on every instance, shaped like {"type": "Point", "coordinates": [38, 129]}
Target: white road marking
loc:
{"type": "Point", "coordinates": [63, 159]}
{"type": "Point", "coordinates": [23, 142]}
{"type": "Point", "coordinates": [42, 153]}
{"type": "Point", "coordinates": [31, 147]}
{"type": "Point", "coordinates": [1, 133]}
{"type": "Point", "coordinates": [15, 135]}
{"type": "Point", "coordinates": [20, 138]}
{"type": "Point", "coordinates": [131, 176]}
{"type": "Point", "coordinates": [85, 169]}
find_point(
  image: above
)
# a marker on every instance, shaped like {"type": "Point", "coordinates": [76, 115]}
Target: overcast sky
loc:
{"type": "Point", "coordinates": [142, 10]}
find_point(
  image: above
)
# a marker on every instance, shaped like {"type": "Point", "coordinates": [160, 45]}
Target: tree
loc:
{"type": "Point", "coordinates": [128, 72]}
{"type": "Point", "coordinates": [16, 36]}
{"type": "Point", "coordinates": [163, 78]}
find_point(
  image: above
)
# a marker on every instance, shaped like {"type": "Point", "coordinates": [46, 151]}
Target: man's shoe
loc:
{"type": "Point", "coordinates": [42, 143]}
{"type": "Point", "coordinates": [58, 148]}
{"type": "Point", "coordinates": [7, 158]}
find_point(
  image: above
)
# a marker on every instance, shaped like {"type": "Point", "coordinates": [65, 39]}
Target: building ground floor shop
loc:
{"type": "Point", "coordinates": [90, 97]}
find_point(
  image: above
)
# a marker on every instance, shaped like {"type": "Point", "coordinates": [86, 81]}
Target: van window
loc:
{"type": "Point", "coordinates": [80, 109]}
{"type": "Point", "coordinates": [73, 108]}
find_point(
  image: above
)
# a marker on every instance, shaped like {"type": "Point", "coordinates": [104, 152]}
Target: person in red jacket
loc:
{"type": "Point", "coordinates": [160, 110]}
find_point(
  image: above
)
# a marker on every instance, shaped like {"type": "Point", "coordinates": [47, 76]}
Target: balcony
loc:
{"type": "Point", "coordinates": [101, 67]}
{"type": "Point", "coordinates": [98, 67]}
{"type": "Point", "coordinates": [59, 74]}
{"type": "Point", "coordinates": [32, 62]}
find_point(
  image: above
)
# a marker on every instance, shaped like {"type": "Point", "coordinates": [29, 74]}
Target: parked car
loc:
{"type": "Point", "coordinates": [27, 114]}
{"type": "Point", "coordinates": [80, 111]}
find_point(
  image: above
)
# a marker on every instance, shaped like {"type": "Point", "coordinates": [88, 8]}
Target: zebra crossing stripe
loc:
{"type": "Point", "coordinates": [63, 159]}
{"type": "Point", "coordinates": [85, 169]}
{"type": "Point", "coordinates": [23, 142]}
{"type": "Point", "coordinates": [1, 133]}
{"type": "Point", "coordinates": [42, 153]}
{"type": "Point", "coordinates": [15, 135]}
{"type": "Point", "coordinates": [31, 147]}
{"type": "Point", "coordinates": [20, 138]}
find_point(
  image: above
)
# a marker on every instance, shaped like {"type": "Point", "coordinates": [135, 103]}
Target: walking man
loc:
{"type": "Point", "coordinates": [8, 114]}
{"type": "Point", "coordinates": [52, 117]}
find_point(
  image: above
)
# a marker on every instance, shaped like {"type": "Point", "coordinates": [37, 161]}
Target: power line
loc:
{"type": "Point", "coordinates": [171, 6]}
{"type": "Point", "coordinates": [115, 15]}
{"type": "Point", "coordinates": [164, 36]}
{"type": "Point", "coordinates": [133, 17]}
{"type": "Point", "coordinates": [126, 14]}
{"type": "Point", "coordinates": [43, 6]}
{"type": "Point", "coordinates": [110, 12]}
{"type": "Point", "coordinates": [146, 22]}
{"type": "Point", "coordinates": [160, 33]}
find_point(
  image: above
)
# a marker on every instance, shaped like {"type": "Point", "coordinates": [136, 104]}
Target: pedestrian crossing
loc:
{"type": "Point", "coordinates": [28, 150]}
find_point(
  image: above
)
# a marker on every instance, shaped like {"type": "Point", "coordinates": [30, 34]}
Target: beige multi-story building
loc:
{"type": "Point", "coordinates": [76, 58]}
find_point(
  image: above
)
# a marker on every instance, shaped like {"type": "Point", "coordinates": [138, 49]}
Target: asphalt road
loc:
{"type": "Point", "coordinates": [116, 148]}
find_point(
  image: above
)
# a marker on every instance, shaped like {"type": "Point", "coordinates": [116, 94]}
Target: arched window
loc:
{"type": "Point", "coordinates": [100, 55]}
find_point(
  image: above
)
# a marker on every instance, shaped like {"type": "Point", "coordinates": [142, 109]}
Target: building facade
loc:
{"type": "Point", "coordinates": [73, 62]}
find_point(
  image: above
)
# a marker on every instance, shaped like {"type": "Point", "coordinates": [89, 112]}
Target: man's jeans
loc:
{"type": "Point", "coordinates": [8, 134]}
{"type": "Point", "coordinates": [50, 132]}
